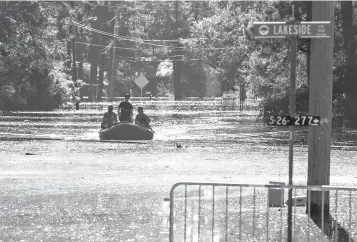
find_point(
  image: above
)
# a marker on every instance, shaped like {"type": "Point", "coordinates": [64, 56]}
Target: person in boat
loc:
{"type": "Point", "coordinates": [142, 119]}
{"type": "Point", "coordinates": [109, 118]}
{"type": "Point", "coordinates": [125, 110]}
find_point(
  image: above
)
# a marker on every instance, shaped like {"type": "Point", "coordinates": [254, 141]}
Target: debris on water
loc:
{"type": "Point", "coordinates": [77, 105]}
{"type": "Point", "coordinates": [27, 153]}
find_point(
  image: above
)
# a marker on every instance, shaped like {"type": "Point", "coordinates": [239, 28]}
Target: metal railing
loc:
{"type": "Point", "coordinates": [254, 212]}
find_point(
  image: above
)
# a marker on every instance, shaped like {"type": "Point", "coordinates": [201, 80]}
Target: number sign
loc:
{"type": "Point", "coordinates": [297, 121]}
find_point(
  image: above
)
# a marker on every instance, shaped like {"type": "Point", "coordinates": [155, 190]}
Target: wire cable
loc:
{"type": "Point", "coordinates": [187, 47]}
{"type": "Point", "coordinates": [103, 67]}
{"type": "Point", "coordinates": [161, 8]}
{"type": "Point", "coordinates": [106, 49]}
{"type": "Point", "coordinates": [105, 33]}
{"type": "Point", "coordinates": [140, 41]}
{"type": "Point", "coordinates": [109, 21]}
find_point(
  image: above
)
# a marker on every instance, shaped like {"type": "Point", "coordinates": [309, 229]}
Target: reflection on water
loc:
{"type": "Point", "coordinates": [101, 191]}
{"type": "Point", "coordinates": [171, 120]}
{"type": "Point", "coordinates": [181, 120]}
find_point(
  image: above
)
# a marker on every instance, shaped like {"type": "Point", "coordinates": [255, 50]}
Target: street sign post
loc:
{"type": "Point", "coordinates": [141, 82]}
{"type": "Point", "coordinates": [293, 30]}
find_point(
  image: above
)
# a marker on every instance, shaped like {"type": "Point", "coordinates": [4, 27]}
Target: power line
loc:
{"type": "Point", "coordinates": [160, 8]}
{"type": "Point", "coordinates": [109, 21]}
{"type": "Point", "coordinates": [125, 48]}
{"type": "Point", "coordinates": [163, 40]}
{"type": "Point", "coordinates": [103, 67]}
{"type": "Point", "coordinates": [140, 41]}
{"type": "Point", "coordinates": [104, 33]}
{"type": "Point", "coordinates": [159, 60]}
{"type": "Point", "coordinates": [189, 47]}
{"type": "Point", "coordinates": [107, 48]}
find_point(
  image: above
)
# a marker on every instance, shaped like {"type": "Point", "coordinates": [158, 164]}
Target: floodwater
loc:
{"type": "Point", "coordinates": [71, 186]}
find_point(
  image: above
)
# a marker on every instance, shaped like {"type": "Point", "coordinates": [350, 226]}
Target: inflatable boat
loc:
{"type": "Point", "coordinates": [126, 131]}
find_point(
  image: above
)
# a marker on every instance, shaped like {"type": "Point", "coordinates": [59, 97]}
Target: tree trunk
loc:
{"type": "Point", "coordinates": [99, 89]}
{"type": "Point", "coordinates": [109, 73]}
{"type": "Point", "coordinates": [351, 70]}
{"type": "Point", "coordinates": [69, 54]}
{"type": "Point", "coordinates": [93, 80]}
{"type": "Point", "coordinates": [101, 84]}
{"type": "Point", "coordinates": [320, 104]}
{"type": "Point", "coordinates": [177, 64]}
{"type": "Point", "coordinates": [93, 59]}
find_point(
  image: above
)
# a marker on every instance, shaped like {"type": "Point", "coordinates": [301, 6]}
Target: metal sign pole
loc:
{"type": "Point", "coordinates": [294, 29]}
{"type": "Point", "coordinates": [292, 100]}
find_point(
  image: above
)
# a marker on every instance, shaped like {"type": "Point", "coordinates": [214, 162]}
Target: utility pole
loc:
{"type": "Point", "coordinates": [114, 60]}
{"type": "Point", "coordinates": [320, 104]}
{"type": "Point", "coordinates": [176, 61]}
{"type": "Point", "coordinates": [74, 67]}
{"type": "Point", "coordinates": [292, 107]}
{"type": "Point", "coordinates": [308, 54]}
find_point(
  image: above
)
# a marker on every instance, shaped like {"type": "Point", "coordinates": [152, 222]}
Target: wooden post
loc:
{"type": "Point", "coordinates": [320, 104]}
{"type": "Point", "coordinates": [176, 61]}
{"type": "Point", "coordinates": [114, 60]}
{"type": "Point", "coordinates": [74, 67]}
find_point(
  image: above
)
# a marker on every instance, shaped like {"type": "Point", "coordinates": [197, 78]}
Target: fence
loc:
{"type": "Point", "coordinates": [242, 212]}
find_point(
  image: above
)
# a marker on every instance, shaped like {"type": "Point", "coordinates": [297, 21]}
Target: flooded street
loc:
{"type": "Point", "coordinates": [73, 187]}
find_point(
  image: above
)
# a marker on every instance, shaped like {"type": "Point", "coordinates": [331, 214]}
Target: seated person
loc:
{"type": "Point", "coordinates": [142, 119]}
{"type": "Point", "coordinates": [109, 118]}
{"type": "Point", "coordinates": [125, 110]}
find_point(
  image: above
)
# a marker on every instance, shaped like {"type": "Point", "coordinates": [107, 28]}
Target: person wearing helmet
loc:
{"type": "Point", "coordinates": [109, 118]}
{"type": "Point", "coordinates": [125, 110]}
{"type": "Point", "coordinates": [142, 119]}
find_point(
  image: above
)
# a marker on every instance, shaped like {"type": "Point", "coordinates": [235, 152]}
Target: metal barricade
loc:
{"type": "Point", "coordinates": [242, 212]}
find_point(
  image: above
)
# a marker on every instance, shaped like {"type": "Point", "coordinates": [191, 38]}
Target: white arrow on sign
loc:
{"type": "Point", "coordinates": [315, 122]}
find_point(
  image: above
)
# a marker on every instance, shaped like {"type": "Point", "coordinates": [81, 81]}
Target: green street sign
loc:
{"type": "Point", "coordinates": [322, 29]}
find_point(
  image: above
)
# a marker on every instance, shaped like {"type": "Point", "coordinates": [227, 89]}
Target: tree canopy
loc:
{"type": "Point", "coordinates": [36, 49]}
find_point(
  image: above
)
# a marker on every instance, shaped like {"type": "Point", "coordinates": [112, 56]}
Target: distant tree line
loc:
{"type": "Point", "coordinates": [36, 50]}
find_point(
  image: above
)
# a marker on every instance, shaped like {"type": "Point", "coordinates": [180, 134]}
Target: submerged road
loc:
{"type": "Point", "coordinates": [74, 187]}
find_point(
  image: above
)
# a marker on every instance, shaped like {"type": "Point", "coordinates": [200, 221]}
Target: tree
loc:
{"type": "Point", "coordinates": [349, 44]}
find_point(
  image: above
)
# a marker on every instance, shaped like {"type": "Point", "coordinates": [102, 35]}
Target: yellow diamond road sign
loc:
{"type": "Point", "coordinates": [141, 81]}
